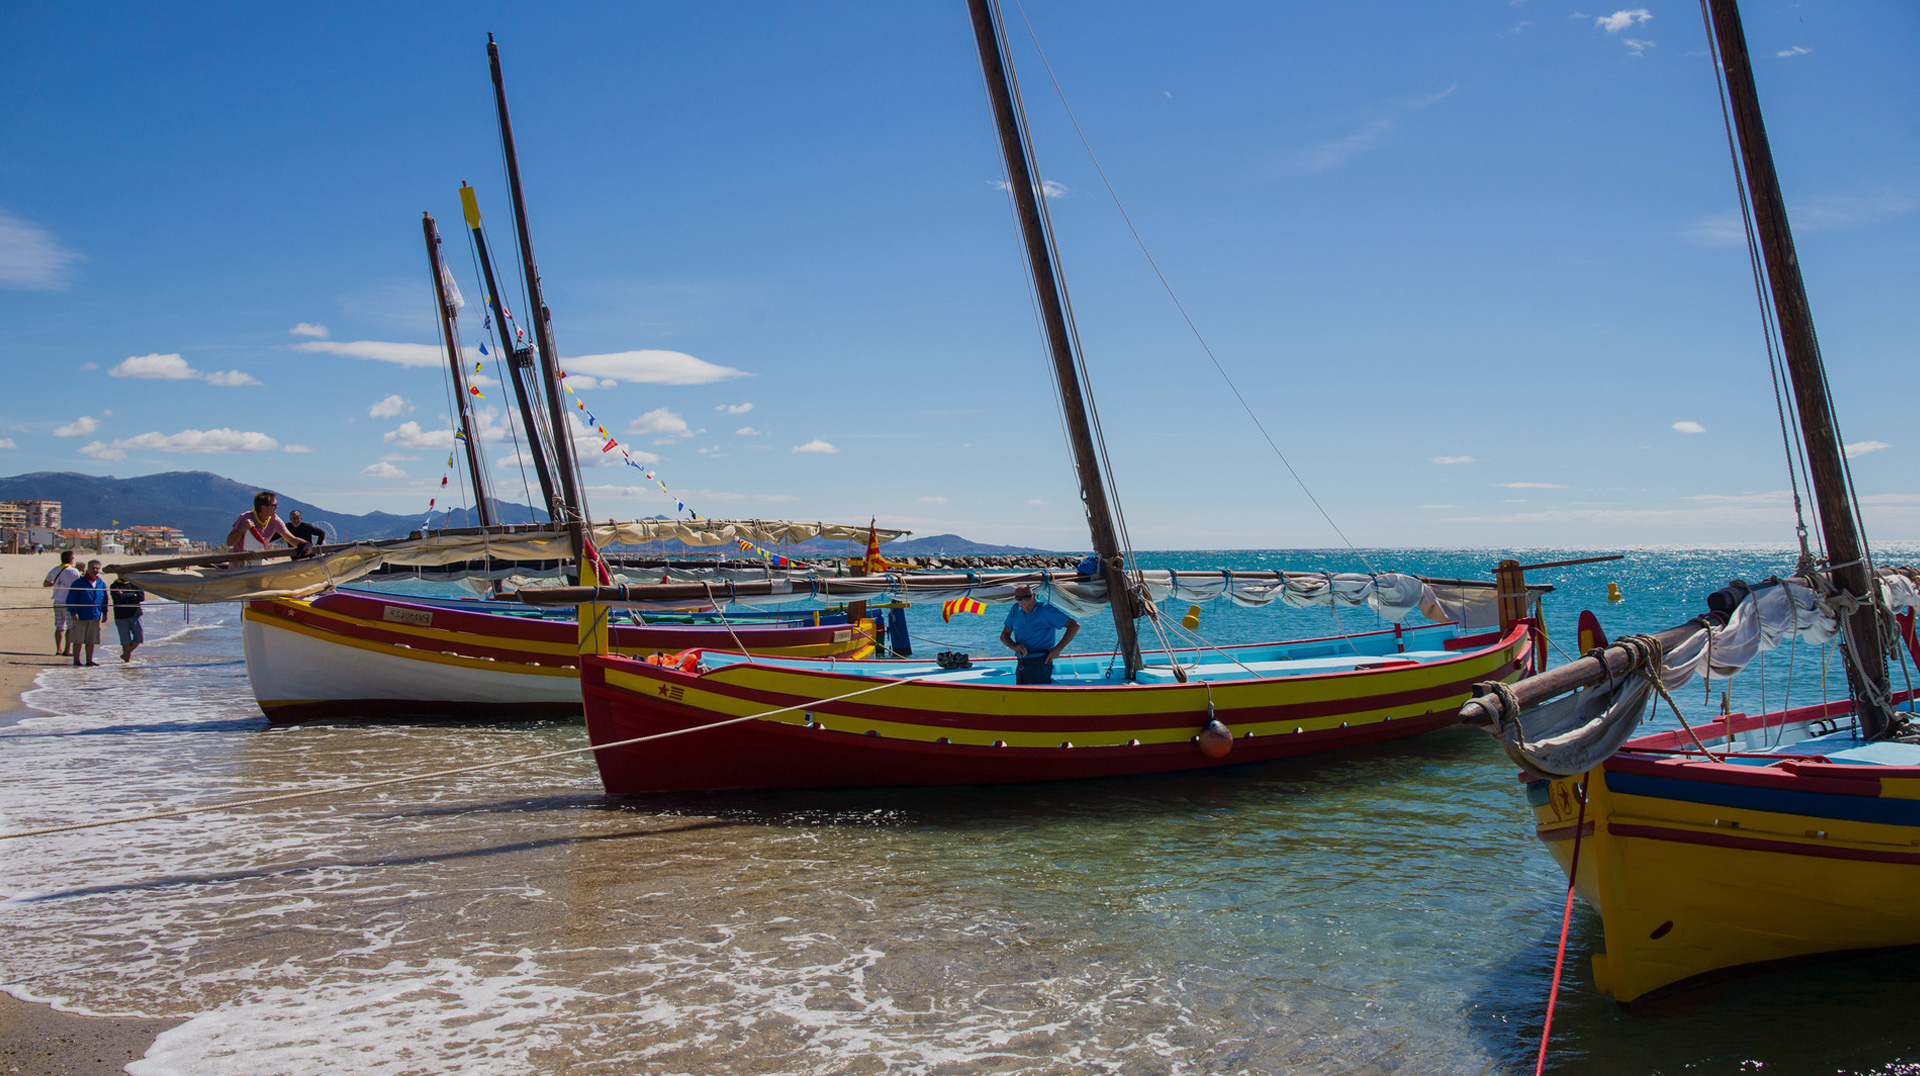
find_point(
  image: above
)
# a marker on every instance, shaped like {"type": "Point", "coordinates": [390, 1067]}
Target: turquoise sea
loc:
{"type": "Point", "coordinates": [1377, 911]}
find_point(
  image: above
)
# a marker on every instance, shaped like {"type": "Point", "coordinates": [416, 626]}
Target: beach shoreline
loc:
{"type": "Point", "coordinates": [36, 1037]}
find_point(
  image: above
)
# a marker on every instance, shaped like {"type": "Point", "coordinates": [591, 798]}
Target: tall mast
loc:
{"type": "Point", "coordinates": [1093, 491]}
{"type": "Point", "coordinates": [574, 510]}
{"type": "Point", "coordinates": [443, 298]}
{"type": "Point", "coordinates": [1868, 673]}
{"type": "Point", "coordinates": [519, 359]}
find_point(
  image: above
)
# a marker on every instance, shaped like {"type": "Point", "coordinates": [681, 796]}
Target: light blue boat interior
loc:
{"type": "Point", "coordinates": [1374, 650]}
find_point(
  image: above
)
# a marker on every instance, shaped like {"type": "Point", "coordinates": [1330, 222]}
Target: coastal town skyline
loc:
{"type": "Point", "coordinates": [1478, 272]}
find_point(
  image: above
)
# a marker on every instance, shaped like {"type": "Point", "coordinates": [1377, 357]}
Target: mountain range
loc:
{"type": "Point", "coordinates": [204, 505]}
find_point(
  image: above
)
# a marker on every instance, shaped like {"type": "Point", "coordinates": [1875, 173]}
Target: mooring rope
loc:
{"type": "Point", "coordinates": [1566, 917]}
{"type": "Point", "coordinates": [517, 761]}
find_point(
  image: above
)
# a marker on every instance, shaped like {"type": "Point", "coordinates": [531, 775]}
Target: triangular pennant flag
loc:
{"type": "Point", "coordinates": [483, 351]}
{"type": "Point", "coordinates": [610, 445]}
{"type": "Point", "coordinates": [475, 389]}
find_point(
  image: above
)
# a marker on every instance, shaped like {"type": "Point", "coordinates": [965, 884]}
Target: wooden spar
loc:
{"type": "Point", "coordinates": [443, 299]}
{"type": "Point", "coordinates": [1048, 291]}
{"type": "Point", "coordinates": [852, 587]}
{"type": "Point", "coordinates": [1585, 672]}
{"type": "Point", "coordinates": [574, 511]}
{"type": "Point", "coordinates": [1832, 495]}
{"type": "Point", "coordinates": [519, 359]}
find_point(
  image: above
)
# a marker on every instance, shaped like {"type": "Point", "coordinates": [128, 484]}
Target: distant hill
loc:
{"type": "Point", "coordinates": [952, 545]}
{"type": "Point", "coordinates": [204, 505]}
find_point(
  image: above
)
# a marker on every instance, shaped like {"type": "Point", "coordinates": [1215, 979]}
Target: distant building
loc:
{"type": "Point", "coordinates": [41, 513]}
{"type": "Point", "coordinates": [13, 516]}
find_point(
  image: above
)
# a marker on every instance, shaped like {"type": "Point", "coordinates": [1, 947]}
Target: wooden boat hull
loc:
{"type": "Point", "coordinates": [362, 656]}
{"type": "Point", "coordinates": [1706, 870]}
{"type": "Point", "coordinates": [930, 733]}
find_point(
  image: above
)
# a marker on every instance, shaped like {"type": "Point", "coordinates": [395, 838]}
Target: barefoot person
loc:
{"type": "Point", "coordinates": [60, 579]}
{"type": "Point", "coordinates": [87, 600]}
{"type": "Point", "coordinates": [126, 616]}
{"type": "Point", "coordinates": [253, 530]}
{"type": "Point", "coordinates": [1029, 632]}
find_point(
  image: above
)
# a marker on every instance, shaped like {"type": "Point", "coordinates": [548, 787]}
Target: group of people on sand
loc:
{"type": "Point", "coordinates": [81, 601]}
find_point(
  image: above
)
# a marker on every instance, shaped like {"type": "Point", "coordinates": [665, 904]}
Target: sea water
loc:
{"type": "Point", "coordinates": [1379, 911]}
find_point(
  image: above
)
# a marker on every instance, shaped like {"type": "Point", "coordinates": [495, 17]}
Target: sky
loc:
{"type": "Point", "coordinates": [1475, 267]}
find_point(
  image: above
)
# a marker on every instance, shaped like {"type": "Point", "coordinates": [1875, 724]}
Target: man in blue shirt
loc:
{"type": "Point", "coordinates": [1029, 632]}
{"type": "Point", "coordinates": [87, 601]}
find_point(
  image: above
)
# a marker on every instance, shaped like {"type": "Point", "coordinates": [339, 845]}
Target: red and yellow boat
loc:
{"type": "Point", "coordinates": [349, 654]}
{"type": "Point", "coordinates": [810, 723]}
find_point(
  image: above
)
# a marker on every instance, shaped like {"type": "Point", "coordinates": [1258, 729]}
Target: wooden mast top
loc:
{"type": "Point", "coordinates": [574, 512]}
{"type": "Point", "coordinates": [1048, 292]}
{"type": "Point", "coordinates": [1832, 497]}
{"type": "Point", "coordinates": [457, 361]}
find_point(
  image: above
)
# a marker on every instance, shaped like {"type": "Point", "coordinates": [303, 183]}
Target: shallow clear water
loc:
{"type": "Point", "coordinates": [1376, 911]}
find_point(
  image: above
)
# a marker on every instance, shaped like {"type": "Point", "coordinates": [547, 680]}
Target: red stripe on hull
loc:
{"type": "Point", "coordinates": [1758, 844]}
{"type": "Point", "coordinates": [762, 754]}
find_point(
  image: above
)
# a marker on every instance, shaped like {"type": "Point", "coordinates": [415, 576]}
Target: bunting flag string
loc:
{"type": "Point", "coordinates": [610, 443]}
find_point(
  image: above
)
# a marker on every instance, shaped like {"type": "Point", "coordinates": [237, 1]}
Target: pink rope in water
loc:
{"type": "Point", "coordinates": [1566, 917]}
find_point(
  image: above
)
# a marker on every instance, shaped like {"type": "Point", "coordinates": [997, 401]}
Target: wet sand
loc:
{"type": "Point", "coordinates": [37, 1038]}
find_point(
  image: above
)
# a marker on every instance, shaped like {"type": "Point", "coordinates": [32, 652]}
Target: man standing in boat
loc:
{"type": "Point", "coordinates": [253, 530]}
{"type": "Point", "coordinates": [1029, 632]}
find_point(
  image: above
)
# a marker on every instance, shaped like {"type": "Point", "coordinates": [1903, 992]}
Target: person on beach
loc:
{"type": "Point", "coordinates": [127, 598]}
{"type": "Point", "coordinates": [306, 532]}
{"type": "Point", "coordinates": [87, 600]}
{"type": "Point", "coordinates": [253, 530]}
{"type": "Point", "coordinates": [59, 579]}
{"type": "Point", "coordinates": [1029, 632]}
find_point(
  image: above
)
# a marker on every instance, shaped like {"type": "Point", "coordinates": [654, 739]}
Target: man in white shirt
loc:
{"type": "Point", "coordinates": [59, 579]}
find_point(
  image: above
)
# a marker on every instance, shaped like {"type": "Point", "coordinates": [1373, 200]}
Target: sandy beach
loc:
{"type": "Point", "coordinates": [37, 1038]}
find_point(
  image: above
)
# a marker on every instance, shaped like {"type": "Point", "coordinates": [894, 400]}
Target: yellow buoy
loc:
{"type": "Point", "coordinates": [1613, 593]}
{"type": "Point", "coordinates": [1192, 619]}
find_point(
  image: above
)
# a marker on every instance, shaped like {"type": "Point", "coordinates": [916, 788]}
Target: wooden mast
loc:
{"type": "Point", "coordinates": [1093, 492]}
{"type": "Point", "coordinates": [573, 509]}
{"type": "Point", "coordinates": [443, 298]}
{"type": "Point", "coordinates": [519, 359]}
{"type": "Point", "coordinates": [1832, 497]}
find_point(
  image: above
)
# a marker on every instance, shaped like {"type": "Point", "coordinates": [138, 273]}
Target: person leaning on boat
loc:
{"type": "Point", "coordinates": [262, 525]}
{"type": "Point", "coordinates": [1029, 632]}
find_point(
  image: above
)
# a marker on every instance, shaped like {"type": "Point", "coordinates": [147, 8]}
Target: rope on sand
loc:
{"type": "Point", "coordinates": [521, 760]}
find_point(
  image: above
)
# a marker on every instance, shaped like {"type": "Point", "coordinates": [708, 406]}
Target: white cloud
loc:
{"type": "Point", "coordinates": [1689, 427]}
{"type": "Point", "coordinates": [89, 366]}
{"type": "Point", "coordinates": [383, 469]}
{"type": "Point", "coordinates": [1861, 448]}
{"type": "Point", "coordinates": [933, 500]}
{"type": "Point", "coordinates": [1036, 500]}
{"type": "Point", "coordinates": [171, 367]}
{"type": "Point", "coordinates": [378, 350]}
{"type": "Point", "coordinates": [1330, 155]}
{"type": "Point", "coordinates": [31, 259]}
{"type": "Point", "coordinates": [653, 368]}
{"type": "Point", "coordinates": [410, 435]}
{"type": "Point", "coordinates": [1797, 50]}
{"type": "Point", "coordinates": [186, 442]}
{"type": "Point", "coordinates": [589, 382]}
{"type": "Point", "coordinates": [1051, 188]}
{"type": "Point", "coordinates": [7, 442]}
{"type": "Point", "coordinates": [301, 449]}
{"type": "Point", "coordinates": [1453, 459]}
{"type": "Point", "coordinates": [392, 407]}
{"type": "Point", "coordinates": [734, 409]}
{"type": "Point", "coordinates": [662, 425]}
{"type": "Point", "coordinates": [79, 427]}
{"type": "Point", "coordinates": [748, 431]}
{"type": "Point", "coordinates": [1529, 485]}
{"type": "Point", "coordinates": [1636, 46]}
{"type": "Point", "coordinates": [1723, 230]}
{"type": "Point", "coordinates": [1624, 19]}
{"type": "Point", "coordinates": [308, 328]}
{"type": "Point", "coordinates": [816, 445]}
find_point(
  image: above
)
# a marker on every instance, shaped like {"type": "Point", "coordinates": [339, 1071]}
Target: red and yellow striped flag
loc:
{"type": "Point", "coordinates": [960, 605]}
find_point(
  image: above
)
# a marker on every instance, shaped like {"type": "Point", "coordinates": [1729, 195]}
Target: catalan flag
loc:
{"type": "Point", "coordinates": [960, 605]}
{"type": "Point", "coordinates": [873, 562]}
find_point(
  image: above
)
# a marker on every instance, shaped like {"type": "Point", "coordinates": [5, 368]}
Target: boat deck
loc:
{"type": "Point", "coordinates": [1844, 747]}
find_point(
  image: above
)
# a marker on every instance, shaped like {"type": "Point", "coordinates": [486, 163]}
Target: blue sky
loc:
{"type": "Point", "coordinates": [1474, 265]}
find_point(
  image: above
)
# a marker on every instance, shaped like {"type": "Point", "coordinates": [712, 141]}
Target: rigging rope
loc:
{"type": "Point", "coordinates": [1178, 305]}
{"type": "Point", "coordinates": [454, 771]}
{"type": "Point", "coordinates": [1566, 917]}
